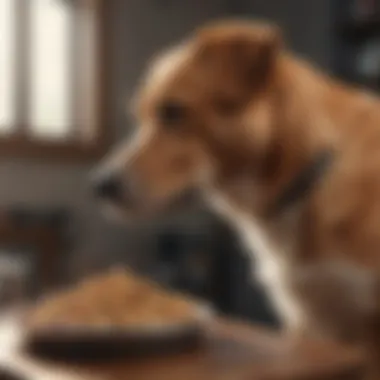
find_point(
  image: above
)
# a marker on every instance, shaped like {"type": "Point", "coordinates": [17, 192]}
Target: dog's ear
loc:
{"type": "Point", "coordinates": [246, 51]}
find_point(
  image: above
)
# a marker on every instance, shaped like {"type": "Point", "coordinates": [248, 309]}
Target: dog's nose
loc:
{"type": "Point", "coordinates": [108, 187]}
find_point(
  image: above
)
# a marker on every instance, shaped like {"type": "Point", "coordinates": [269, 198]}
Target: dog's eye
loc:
{"type": "Point", "coordinates": [171, 113]}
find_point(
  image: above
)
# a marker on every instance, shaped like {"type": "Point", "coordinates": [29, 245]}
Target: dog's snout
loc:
{"type": "Point", "coordinates": [108, 187]}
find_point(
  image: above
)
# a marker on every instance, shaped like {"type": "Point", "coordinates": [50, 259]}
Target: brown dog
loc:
{"type": "Point", "coordinates": [288, 155]}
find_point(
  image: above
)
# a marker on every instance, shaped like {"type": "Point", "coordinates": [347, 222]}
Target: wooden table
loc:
{"type": "Point", "coordinates": [232, 351]}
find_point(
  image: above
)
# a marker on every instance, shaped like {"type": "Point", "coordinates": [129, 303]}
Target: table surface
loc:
{"type": "Point", "coordinates": [231, 351]}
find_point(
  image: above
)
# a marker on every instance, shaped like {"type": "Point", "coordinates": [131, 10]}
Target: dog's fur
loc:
{"type": "Point", "coordinates": [231, 111]}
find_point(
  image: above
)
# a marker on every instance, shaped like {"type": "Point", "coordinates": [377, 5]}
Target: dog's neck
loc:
{"type": "Point", "coordinates": [302, 185]}
{"type": "Point", "coordinates": [250, 193]}
{"type": "Point", "coordinates": [295, 159]}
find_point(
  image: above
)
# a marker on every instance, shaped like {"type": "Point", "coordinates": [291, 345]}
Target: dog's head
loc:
{"type": "Point", "coordinates": [191, 113]}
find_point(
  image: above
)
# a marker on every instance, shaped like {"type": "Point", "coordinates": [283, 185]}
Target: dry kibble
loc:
{"type": "Point", "coordinates": [118, 298]}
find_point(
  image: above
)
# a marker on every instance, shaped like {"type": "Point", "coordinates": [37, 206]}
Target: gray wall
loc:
{"type": "Point", "coordinates": [307, 24]}
{"type": "Point", "coordinates": [138, 28]}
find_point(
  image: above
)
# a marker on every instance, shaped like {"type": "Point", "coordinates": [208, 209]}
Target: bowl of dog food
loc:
{"type": "Point", "coordinates": [115, 314]}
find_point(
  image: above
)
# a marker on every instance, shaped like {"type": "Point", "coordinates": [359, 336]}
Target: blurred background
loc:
{"type": "Point", "coordinates": [67, 68]}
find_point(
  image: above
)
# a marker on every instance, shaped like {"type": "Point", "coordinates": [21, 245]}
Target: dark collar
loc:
{"type": "Point", "coordinates": [302, 184]}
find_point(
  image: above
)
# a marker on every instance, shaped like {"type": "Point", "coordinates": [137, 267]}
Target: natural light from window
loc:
{"type": "Point", "coordinates": [47, 93]}
{"type": "Point", "coordinates": [7, 64]}
{"type": "Point", "coordinates": [51, 92]}
{"type": "Point", "coordinates": [51, 77]}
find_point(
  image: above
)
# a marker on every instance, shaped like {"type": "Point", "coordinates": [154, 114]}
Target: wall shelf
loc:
{"type": "Point", "coordinates": [358, 32]}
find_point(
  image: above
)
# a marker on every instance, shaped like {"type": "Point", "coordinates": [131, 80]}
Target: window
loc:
{"type": "Point", "coordinates": [50, 69]}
